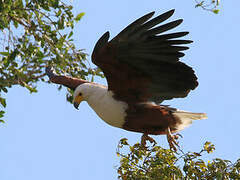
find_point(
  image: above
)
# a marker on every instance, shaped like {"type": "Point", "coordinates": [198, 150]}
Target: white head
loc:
{"type": "Point", "coordinates": [84, 91]}
{"type": "Point", "coordinates": [81, 93]}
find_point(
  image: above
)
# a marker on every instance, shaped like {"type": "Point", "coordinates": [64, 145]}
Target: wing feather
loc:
{"type": "Point", "coordinates": [142, 64]}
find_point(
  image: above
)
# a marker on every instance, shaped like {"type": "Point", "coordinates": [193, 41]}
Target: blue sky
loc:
{"type": "Point", "coordinates": [46, 138]}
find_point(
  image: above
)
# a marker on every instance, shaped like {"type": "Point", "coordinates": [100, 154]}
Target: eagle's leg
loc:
{"type": "Point", "coordinates": [146, 138]}
{"type": "Point", "coordinates": [172, 139]}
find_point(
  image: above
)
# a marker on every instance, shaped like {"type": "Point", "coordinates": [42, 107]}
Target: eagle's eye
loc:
{"type": "Point", "coordinates": [80, 94]}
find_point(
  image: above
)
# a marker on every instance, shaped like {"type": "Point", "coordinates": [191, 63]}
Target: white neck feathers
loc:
{"type": "Point", "coordinates": [102, 102]}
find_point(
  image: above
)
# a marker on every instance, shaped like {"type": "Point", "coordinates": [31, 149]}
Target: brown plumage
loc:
{"type": "Point", "coordinates": [142, 68]}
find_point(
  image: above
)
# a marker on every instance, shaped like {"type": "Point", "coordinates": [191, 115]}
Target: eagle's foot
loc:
{"type": "Point", "coordinates": [146, 138]}
{"type": "Point", "coordinates": [172, 139]}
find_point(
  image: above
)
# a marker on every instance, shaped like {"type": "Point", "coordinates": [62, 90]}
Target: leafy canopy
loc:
{"type": "Point", "coordinates": [35, 34]}
{"type": "Point", "coordinates": [155, 163]}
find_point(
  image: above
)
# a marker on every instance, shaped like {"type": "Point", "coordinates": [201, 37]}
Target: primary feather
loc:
{"type": "Point", "coordinates": [141, 53]}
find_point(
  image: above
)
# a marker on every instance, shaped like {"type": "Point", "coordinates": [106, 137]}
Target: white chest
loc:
{"type": "Point", "coordinates": [107, 108]}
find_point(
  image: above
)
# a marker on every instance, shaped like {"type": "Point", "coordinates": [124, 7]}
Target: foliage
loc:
{"type": "Point", "coordinates": [35, 34]}
{"type": "Point", "coordinates": [211, 5]}
{"type": "Point", "coordinates": [156, 163]}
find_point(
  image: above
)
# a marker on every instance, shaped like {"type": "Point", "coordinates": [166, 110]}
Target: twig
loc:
{"type": "Point", "coordinates": [205, 7]}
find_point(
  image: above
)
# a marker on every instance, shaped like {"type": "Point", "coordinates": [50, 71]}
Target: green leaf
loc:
{"type": "Point", "coordinates": [209, 147]}
{"type": "Point", "coordinates": [79, 16]}
{"type": "Point", "coordinates": [4, 53]}
{"type": "Point", "coordinates": [1, 114]}
{"type": "Point", "coordinates": [31, 89]}
{"type": "Point", "coordinates": [216, 11]}
{"type": "Point", "coordinates": [70, 34]}
{"type": "Point", "coordinates": [196, 154]}
{"type": "Point", "coordinates": [4, 89]}
{"type": "Point", "coordinates": [3, 102]}
{"type": "Point", "coordinates": [2, 121]}
{"type": "Point", "coordinates": [59, 13]}
{"type": "Point", "coordinates": [15, 24]}
{"type": "Point", "coordinates": [124, 141]}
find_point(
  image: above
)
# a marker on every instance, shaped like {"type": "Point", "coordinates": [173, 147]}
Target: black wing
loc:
{"type": "Point", "coordinates": [142, 62]}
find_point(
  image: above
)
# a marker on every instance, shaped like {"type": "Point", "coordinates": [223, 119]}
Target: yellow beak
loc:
{"type": "Point", "coordinates": [77, 101]}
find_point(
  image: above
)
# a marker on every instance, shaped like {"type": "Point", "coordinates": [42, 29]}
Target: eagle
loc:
{"type": "Point", "coordinates": [142, 68]}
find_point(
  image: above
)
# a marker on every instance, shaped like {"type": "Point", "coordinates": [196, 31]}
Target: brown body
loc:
{"type": "Point", "coordinates": [150, 119]}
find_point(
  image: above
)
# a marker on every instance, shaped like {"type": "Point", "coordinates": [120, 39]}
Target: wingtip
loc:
{"type": "Point", "coordinates": [152, 13]}
{"type": "Point", "coordinates": [149, 15]}
{"type": "Point", "coordinates": [177, 22]}
{"type": "Point", "coordinates": [180, 21]}
{"type": "Point", "coordinates": [171, 11]}
{"type": "Point", "coordinates": [107, 34]}
{"type": "Point", "coordinates": [50, 72]}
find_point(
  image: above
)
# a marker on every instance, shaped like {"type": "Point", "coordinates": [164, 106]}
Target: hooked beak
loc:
{"type": "Point", "coordinates": [77, 101]}
{"type": "Point", "coordinates": [75, 104]}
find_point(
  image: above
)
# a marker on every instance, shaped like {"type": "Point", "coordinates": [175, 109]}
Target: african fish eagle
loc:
{"type": "Point", "coordinates": [142, 68]}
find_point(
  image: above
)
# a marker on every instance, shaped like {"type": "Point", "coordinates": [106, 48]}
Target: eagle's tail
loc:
{"type": "Point", "coordinates": [186, 118]}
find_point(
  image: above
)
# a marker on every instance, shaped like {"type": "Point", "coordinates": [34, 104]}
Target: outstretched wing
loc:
{"type": "Point", "coordinates": [142, 62]}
